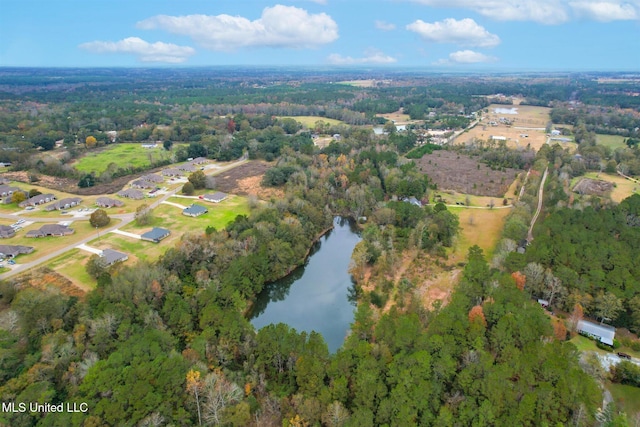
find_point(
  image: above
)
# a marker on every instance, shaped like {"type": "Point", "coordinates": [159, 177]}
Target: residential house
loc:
{"type": "Point", "coordinates": [199, 160]}
{"type": "Point", "coordinates": [215, 197]}
{"type": "Point", "coordinates": [152, 177]}
{"type": "Point", "coordinates": [131, 193]}
{"type": "Point", "coordinates": [6, 190]}
{"type": "Point", "coordinates": [40, 199]}
{"type": "Point", "coordinates": [603, 333]}
{"type": "Point", "coordinates": [195, 210]}
{"type": "Point", "coordinates": [156, 234]}
{"type": "Point", "coordinates": [171, 172]}
{"type": "Point", "coordinates": [111, 256]}
{"type": "Point", "coordinates": [142, 183]}
{"type": "Point", "coordinates": [6, 232]}
{"type": "Point", "coordinates": [187, 167]}
{"type": "Point", "coordinates": [64, 204]}
{"type": "Point", "coordinates": [51, 230]}
{"type": "Point", "coordinates": [107, 202]}
{"type": "Point", "coordinates": [12, 251]}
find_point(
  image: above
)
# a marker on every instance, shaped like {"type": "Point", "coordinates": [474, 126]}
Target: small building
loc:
{"type": "Point", "coordinates": [195, 210]}
{"type": "Point", "coordinates": [171, 172]}
{"type": "Point", "coordinates": [6, 190]}
{"type": "Point", "coordinates": [131, 193]}
{"type": "Point", "coordinates": [51, 230]}
{"type": "Point", "coordinates": [111, 256]}
{"type": "Point", "coordinates": [603, 333]}
{"type": "Point", "coordinates": [199, 160]}
{"type": "Point", "coordinates": [40, 199]}
{"type": "Point", "coordinates": [149, 145]}
{"type": "Point", "coordinates": [215, 197]}
{"type": "Point", "coordinates": [12, 251]}
{"type": "Point", "coordinates": [155, 235]}
{"type": "Point", "coordinates": [107, 202]}
{"type": "Point", "coordinates": [6, 232]}
{"type": "Point", "coordinates": [543, 303]}
{"type": "Point", "coordinates": [187, 167]}
{"type": "Point", "coordinates": [555, 132]}
{"type": "Point", "coordinates": [152, 177]}
{"type": "Point", "coordinates": [64, 204]}
{"type": "Point", "coordinates": [498, 138]}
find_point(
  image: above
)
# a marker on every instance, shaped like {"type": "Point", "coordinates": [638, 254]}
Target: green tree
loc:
{"type": "Point", "coordinates": [608, 306]}
{"type": "Point", "coordinates": [198, 179]}
{"type": "Point", "coordinates": [167, 145]}
{"type": "Point", "coordinates": [95, 266]}
{"type": "Point", "coordinates": [144, 215]}
{"type": "Point", "coordinates": [188, 189]}
{"type": "Point", "coordinates": [99, 218]}
{"type": "Point", "coordinates": [18, 197]}
{"type": "Point", "coordinates": [88, 180]}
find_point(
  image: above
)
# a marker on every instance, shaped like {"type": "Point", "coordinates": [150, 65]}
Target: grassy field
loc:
{"type": "Point", "coordinates": [126, 154]}
{"type": "Point", "coordinates": [72, 266]}
{"type": "Point", "coordinates": [611, 141]}
{"type": "Point", "coordinates": [481, 227]}
{"type": "Point", "coordinates": [626, 397]}
{"type": "Point", "coordinates": [45, 245]}
{"type": "Point", "coordinates": [310, 121]}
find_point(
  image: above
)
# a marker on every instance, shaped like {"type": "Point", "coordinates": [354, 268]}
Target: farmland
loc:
{"type": "Point", "coordinates": [452, 171]}
{"type": "Point", "coordinates": [124, 155]}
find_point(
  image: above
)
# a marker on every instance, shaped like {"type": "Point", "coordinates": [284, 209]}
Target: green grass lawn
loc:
{"type": "Point", "coordinates": [71, 264]}
{"type": "Point", "coordinates": [126, 154]}
{"type": "Point", "coordinates": [611, 141]}
{"type": "Point", "coordinates": [626, 397]}
{"type": "Point", "coordinates": [310, 121]}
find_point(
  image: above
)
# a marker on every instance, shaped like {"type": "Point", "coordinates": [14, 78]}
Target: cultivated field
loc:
{"type": "Point", "coordinates": [457, 172]}
{"type": "Point", "coordinates": [310, 121]}
{"type": "Point", "coordinates": [529, 121]}
{"type": "Point", "coordinates": [124, 155]}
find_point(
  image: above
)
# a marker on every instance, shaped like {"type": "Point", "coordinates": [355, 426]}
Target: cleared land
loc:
{"type": "Point", "coordinates": [246, 180]}
{"type": "Point", "coordinates": [622, 188]}
{"type": "Point", "coordinates": [310, 121]}
{"type": "Point", "coordinates": [124, 155]}
{"type": "Point", "coordinates": [611, 141]}
{"type": "Point", "coordinates": [71, 265]}
{"type": "Point", "coordinates": [480, 227]}
{"type": "Point", "coordinates": [529, 121]}
{"type": "Point", "coordinates": [457, 172]}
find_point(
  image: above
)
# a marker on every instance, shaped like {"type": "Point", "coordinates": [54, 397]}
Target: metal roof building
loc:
{"type": "Point", "coordinates": [195, 210]}
{"type": "Point", "coordinates": [604, 333]}
{"type": "Point", "coordinates": [156, 234]}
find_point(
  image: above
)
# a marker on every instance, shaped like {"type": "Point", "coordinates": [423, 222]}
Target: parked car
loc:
{"type": "Point", "coordinates": [11, 262]}
{"type": "Point", "coordinates": [21, 221]}
{"type": "Point", "coordinates": [624, 356]}
{"type": "Point", "coordinates": [29, 208]}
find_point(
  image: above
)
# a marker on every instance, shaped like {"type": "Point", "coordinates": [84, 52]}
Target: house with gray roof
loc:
{"type": "Point", "coordinates": [108, 202]}
{"type": "Point", "coordinates": [6, 232]}
{"type": "Point", "coordinates": [12, 251]}
{"type": "Point", "coordinates": [110, 256]}
{"type": "Point", "coordinates": [195, 210]}
{"type": "Point", "coordinates": [51, 230]}
{"type": "Point", "coordinates": [142, 183]}
{"type": "Point", "coordinates": [603, 333]}
{"type": "Point", "coordinates": [7, 190]}
{"type": "Point", "coordinates": [199, 160]}
{"type": "Point", "coordinates": [215, 197]}
{"type": "Point", "coordinates": [131, 193]}
{"type": "Point", "coordinates": [152, 177]}
{"type": "Point", "coordinates": [64, 204]}
{"type": "Point", "coordinates": [171, 172]}
{"type": "Point", "coordinates": [40, 199]}
{"type": "Point", "coordinates": [187, 167]}
{"type": "Point", "coordinates": [155, 235]}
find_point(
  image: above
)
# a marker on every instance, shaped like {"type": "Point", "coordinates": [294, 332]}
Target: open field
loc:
{"type": "Point", "coordinates": [453, 171]}
{"type": "Point", "coordinates": [450, 197]}
{"type": "Point", "coordinates": [397, 117]}
{"type": "Point", "coordinates": [72, 266]}
{"type": "Point", "coordinates": [627, 398]}
{"type": "Point", "coordinates": [310, 121]}
{"type": "Point", "coordinates": [482, 227]}
{"type": "Point", "coordinates": [622, 189]}
{"type": "Point", "coordinates": [246, 179]}
{"type": "Point", "coordinates": [611, 141]}
{"type": "Point", "coordinates": [124, 155]}
{"type": "Point", "coordinates": [533, 119]}
{"type": "Point", "coordinates": [44, 245]}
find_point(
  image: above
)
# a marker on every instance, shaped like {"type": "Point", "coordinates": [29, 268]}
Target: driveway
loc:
{"type": "Point", "coordinates": [126, 233]}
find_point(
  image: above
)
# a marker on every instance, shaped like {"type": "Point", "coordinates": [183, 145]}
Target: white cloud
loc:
{"type": "Point", "coordinates": [542, 11]}
{"type": "Point", "coordinates": [465, 32]}
{"type": "Point", "coordinates": [466, 57]}
{"type": "Point", "coordinates": [279, 26]}
{"type": "Point", "coordinates": [146, 52]}
{"type": "Point", "coordinates": [384, 26]}
{"type": "Point", "coordinates": [372, 56]}
{"type": "Point", "coordinates": [604, 11]}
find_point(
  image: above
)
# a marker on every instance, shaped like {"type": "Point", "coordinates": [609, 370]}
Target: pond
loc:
{"type": "Point", "coordinates": [315, 297]}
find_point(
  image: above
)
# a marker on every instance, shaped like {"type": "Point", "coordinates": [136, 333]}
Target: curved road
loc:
{"type": "Point", "coordinates": [125, 219]}
{"type": "Point", "coordinates": [540, 194]}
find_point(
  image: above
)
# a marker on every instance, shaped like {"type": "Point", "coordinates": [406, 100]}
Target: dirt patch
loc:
{"type": "Point", "coordinates": [453, 171]}
{"type": "Point", "coordinates": [45, 278]}
{"type": "Point", "coordinates": [593, 187]}
{"type": "Point", "coordinates": [246, 179]}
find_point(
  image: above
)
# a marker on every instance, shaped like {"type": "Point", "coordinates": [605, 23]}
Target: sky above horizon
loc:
{"type": "Point", "coordinates": [460, 35]}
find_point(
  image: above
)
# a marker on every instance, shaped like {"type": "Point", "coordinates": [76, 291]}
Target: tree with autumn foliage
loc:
{"type": "Point", "coordinates": [520, 279]}
{"type": "Point", "coordinates": [476, 314]}
{"type": "Point", "coordinates": [576, 316]}
{"type": "Point", "coordinates": [90, 141]}
{"type": "Point", "coordinates": [194, 386]}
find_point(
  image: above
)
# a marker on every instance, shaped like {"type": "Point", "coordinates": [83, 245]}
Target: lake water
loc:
{"type": "Point", "coordinates": [315, 297]}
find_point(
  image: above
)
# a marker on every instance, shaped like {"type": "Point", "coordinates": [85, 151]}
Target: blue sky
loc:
{"type": "Point", "coordinates": [464, 35]}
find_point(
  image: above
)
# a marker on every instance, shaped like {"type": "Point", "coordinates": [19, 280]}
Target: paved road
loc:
{"type": "Point", "coordinates": [125, 219]}
{"type": "Point", "coordinates": [535, 216]}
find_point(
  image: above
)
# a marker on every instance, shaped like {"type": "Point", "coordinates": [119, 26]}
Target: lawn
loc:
{"type": "Point", "coordinates": [626, 397]}
{"type": "Point", "coordinates": [611, 141]}
{"type": "Point", "coordinates": [482, 227]}
{"type": "Point", "coordinates": [72, 265]}
{"type": "Point", "coordinates": [310, 121]}
{"type": "Point", "coordinates": [125, 154]}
